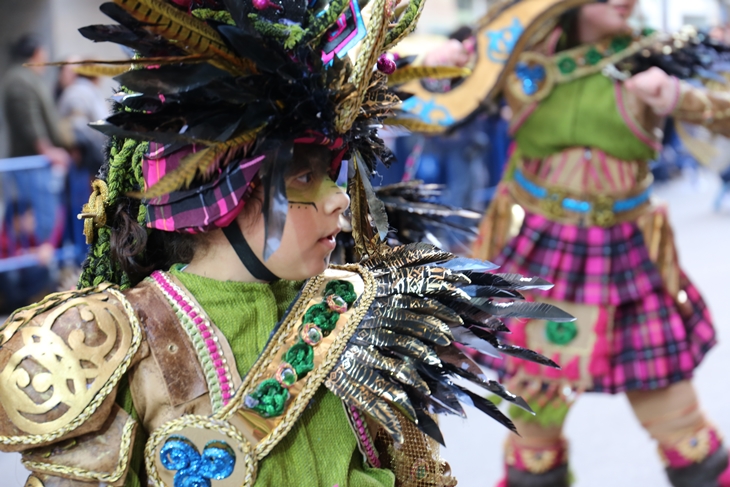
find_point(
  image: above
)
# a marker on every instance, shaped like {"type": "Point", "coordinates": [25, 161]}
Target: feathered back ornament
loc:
{"type": "Point", "coordinates": [216, 84]}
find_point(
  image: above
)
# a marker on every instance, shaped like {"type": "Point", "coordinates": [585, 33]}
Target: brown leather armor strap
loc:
{"type": "Point", "coordinates": [170, 346]}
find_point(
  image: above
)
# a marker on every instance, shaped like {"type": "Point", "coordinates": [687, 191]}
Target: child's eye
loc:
{"type": "Point", "coordinates": [305, 178]}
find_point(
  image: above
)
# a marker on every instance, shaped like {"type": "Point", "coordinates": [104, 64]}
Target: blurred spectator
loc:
{"type": "Point", "coordinates": [19, 287]}
{"type": "Point", "coordinates": [81, 102]}
{"type": "Point", "coordinates": [33, 218]}
{"type": "Point", "coordinates": [34, 129]}
{"type": "Point", "coordinates": [724, 189]}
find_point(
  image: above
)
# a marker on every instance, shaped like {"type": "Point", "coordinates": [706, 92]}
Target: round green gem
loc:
{"type": "Point", "coordinates": [567, 65]}
{"type": "Point", "coordinates": [620, 43]}
{"type": "Point", "coordinates": [336, 303]}
{"type": "Point", "coordinates": [286, 375]}
{"type": "Point", "coordinates": [311, 334]}
{"type": "Point", "coordinates": [343, 289]}
{"type": "Point", "coordinates": [561, 333]}
{"type": "Point", "coordinates": [593, 57]}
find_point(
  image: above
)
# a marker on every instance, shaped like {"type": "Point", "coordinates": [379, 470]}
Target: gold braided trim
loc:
{"type": "Point", "coordinates": [553, 75]}
{"type": "Point", "coordinates": [82, 473]}
{"type": "Point", "coordinates": [103, 392]}
{"type": "Point", "coordinates": [201, 423]}
{"type": "Point", "coordinates": [278, 341]}
{"type": "Point", "coordinates": [319, 374]}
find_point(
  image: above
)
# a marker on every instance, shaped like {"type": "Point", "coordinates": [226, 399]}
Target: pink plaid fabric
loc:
{"type": "Point", "coordinates": [201, 207]}
{"type": "Point", "coordinates": [215, 204]}
{"type": "Point", "coordinates": [654, 343]}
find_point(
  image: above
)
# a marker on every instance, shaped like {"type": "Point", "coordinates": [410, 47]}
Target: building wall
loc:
{"type": "Point", "coordinates": [67, 17]}
{"type": "Point", "coordinates": [443, 16]}
{"type": "Point", "coordinates": [701, 13]}
{"type": "Point", "coordinates": [56, 23]}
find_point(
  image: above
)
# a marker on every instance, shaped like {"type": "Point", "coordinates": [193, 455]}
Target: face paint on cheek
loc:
{"type": "Point", "coordinates": [316, 192]}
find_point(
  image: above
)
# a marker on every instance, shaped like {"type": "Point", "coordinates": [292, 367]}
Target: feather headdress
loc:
{"type": "Point", "coordinates": [216, 84]}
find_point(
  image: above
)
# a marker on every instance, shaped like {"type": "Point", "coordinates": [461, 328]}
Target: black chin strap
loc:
{"type": "Point", "coordinates": [257, 268]}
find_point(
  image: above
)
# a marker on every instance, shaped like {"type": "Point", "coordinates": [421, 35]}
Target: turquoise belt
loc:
{"type": "Point", "coordinates": [581, 206]}
{"type": "Point", "coordinates": [603, 210]}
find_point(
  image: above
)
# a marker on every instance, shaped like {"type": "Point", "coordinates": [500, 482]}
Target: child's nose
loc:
{"type": "Point", "coordinates": [336, 202]}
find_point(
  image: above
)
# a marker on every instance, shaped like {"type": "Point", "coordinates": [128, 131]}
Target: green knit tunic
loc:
{"type": "Point", "coordinates": [581, 113]}
{"type": "Point", "coordinates": [321, 448]}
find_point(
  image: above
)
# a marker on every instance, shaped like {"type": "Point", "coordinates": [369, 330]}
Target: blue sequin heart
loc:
{"type": "Point", "coordinates": [530, 77]}
{"type": "Point", "coordinates": [193, 469]}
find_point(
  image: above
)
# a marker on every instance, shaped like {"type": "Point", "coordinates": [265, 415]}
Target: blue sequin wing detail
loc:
{"type": "Point", "coordinates": [530, 76]}
{"type": "Point", "coordinates": [218, 460]}
{"type": "Point", "coordinates": [178, 453]}
{"type": "Point", "coordinates": [193, 469]}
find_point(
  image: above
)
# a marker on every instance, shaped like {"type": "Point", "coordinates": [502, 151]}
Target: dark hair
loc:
{"type": "Point", "coordinates": [569, 23]}
{"type": "Point", "coordinates": [138, 251]}
{"type": "Point", "coordinates": [462, 33]}
{"type": "Point", "coordinates": [125, 251]}
{"type": "Point", "coordinates": [24, 47]}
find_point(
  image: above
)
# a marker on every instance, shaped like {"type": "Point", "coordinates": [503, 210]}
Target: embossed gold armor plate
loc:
{"type": "Point", "coordinates": [53, 383]}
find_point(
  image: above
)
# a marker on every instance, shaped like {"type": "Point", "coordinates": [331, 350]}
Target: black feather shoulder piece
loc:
{"type": "Point", "coordinates": [404, 355]}
{"type": "Point", "coordinates": [688, 53]}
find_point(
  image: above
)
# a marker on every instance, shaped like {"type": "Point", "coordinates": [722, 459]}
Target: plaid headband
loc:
{"type": "Point", "coordinates": [218, 202]}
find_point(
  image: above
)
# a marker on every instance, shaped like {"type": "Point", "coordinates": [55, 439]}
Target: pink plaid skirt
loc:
{"type": "Point", "coordinates": [654, 343]}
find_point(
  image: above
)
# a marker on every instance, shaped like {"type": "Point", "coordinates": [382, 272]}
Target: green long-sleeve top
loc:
{"type": "Point", "coordinates": [321, 449]}
{"type": "Point", "coordinates": [581, 113]}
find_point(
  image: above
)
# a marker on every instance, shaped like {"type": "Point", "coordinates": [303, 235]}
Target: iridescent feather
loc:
{"type": "Point", "coordinates": [189, 33]}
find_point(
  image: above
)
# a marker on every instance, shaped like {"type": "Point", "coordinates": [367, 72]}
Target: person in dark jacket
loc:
{"type": "Point", "coordinates": [34, 129]}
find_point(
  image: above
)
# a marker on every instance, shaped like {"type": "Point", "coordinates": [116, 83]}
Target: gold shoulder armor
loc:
{"type": "Point", "coordinates": [60, 361]}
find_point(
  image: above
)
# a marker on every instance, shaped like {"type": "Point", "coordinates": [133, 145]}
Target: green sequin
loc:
{"type": "Point", "coordinates": [343, 289]}
{"type": "Point", "coordinates": [593, 57]}
{"type": "Point", "coordinates": [322, 316]}
{"type": "Point", "coordinates": [618, 44]}
{"type": "Point", "coordinates": [269, 398]}
{"type": "Point", "coordinates": [567, 65]}
{"type": "Point", "coordinates": [301, 357]}
{"type": "Point", "coordinates": [561, 333]}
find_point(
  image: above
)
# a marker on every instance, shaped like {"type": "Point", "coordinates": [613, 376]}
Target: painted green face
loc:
{"type": "Point", "coordinates": [313, 218]}
{"type": "Point", "coordinates": [310, 179]}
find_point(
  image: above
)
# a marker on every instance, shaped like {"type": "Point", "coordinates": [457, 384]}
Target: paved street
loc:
{"type": "Point", "coordinates": [608, 448]}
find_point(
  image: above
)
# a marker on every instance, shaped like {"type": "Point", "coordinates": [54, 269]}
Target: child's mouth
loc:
{"type": "Point", "coordinates": [329, 241]}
